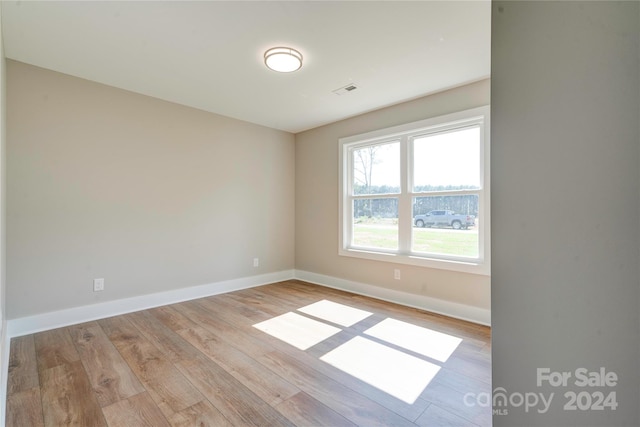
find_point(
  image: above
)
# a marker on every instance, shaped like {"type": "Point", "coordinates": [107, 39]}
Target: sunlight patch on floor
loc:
{"type": "Point", "coordinates": [299, 331]}
{"type": "Point", "coordinates": [336, 313]}
{"type": "Point", "coordinates": [426, 342]}
{"type": "Point", "coordinates": [394, 372]}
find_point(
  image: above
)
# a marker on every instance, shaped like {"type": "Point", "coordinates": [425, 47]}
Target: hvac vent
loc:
{"type": "Point", "coordinates": [346, 89]}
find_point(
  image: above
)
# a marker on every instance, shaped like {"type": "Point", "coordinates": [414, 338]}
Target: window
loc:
{"type": "Point", "coordinates": [419, 193]}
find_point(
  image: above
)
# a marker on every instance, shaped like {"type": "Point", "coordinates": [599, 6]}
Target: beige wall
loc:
{"type": "Point", "coordinates": [151, 196]}
{"type": "Point", "coordinates": [317, 203]}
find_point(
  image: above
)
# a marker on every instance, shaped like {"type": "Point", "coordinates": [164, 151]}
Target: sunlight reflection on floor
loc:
{"type": "Point", "coordinates": [299, 331]}
{"type": "Point", "coordinates": [392, 371]}
{"type": "Point", "coordinates": [427, 342]}
{"type": "Point", "coordinates": [336, 313]}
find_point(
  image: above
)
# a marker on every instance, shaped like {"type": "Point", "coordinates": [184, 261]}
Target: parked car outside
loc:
{"type": "Point", "coordinates": [444, 218]}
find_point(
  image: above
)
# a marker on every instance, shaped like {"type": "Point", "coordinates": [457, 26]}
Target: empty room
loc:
{"type": "Point", "coordinates": [309, 213]}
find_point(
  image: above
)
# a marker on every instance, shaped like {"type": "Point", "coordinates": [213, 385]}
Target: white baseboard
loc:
{"type": "Point", "coordinates": [72, 316]}
{"type": "Point", "coordinates": [473, 314]}
{"type": "Point", "coordinates": [57, 319]}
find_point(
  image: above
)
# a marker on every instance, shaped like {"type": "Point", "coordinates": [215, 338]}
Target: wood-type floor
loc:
{"type": "Point", "coordinates": [203, 363]}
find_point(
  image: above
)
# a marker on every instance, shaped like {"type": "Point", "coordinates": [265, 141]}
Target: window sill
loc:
{"type": "Point", "coordinates": [473, 266]}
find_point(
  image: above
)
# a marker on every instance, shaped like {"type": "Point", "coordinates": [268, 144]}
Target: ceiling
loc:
{"type": "Point", "coordinates": [209, 54]}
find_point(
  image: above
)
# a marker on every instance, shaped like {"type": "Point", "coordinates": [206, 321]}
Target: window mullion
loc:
{"type": "Point", "coordinates": [449, 192]}
{"type": "Point", "coordinates": [375, 196]}
{"type": "Point", "coordinates": [404, 201]}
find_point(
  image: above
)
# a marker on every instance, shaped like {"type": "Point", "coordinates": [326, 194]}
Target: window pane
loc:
{"type": "Point", "coordinates": [375, 223]}
{"type": "Point", "coordinates": [376, 169]}
{"type": "Point", "coordinates": [446, 225]}
{"type": "Point", "coordinates": [447, 161]}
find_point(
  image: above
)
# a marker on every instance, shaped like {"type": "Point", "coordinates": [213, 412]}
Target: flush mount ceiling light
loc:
{"type": "Point", "coordinates": [283, 59]}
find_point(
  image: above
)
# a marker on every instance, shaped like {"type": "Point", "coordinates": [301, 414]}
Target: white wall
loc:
{"type": "Point", "coordinates": [149, 195]}
{"type": "Point", "coordinates": [317, 207]}
{"type": "Point", "coordinates": [565, 203]}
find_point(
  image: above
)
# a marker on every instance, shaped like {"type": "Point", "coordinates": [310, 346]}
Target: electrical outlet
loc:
{"type": "Point", "coordinates": [256, 262]}
{"type": "Point", "coordinates": [396, 274]}
{"type": "Point", "coordinates": [98, 285]}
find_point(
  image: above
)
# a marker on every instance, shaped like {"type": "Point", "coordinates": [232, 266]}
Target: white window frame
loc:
{"type": "Point", "coordinates": [405, 133]}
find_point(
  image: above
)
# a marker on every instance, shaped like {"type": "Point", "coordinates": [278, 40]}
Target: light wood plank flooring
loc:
{"type": "Point", "coordinates": [203, 363]}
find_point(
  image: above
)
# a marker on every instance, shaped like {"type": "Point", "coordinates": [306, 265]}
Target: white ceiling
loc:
{"type": "Point", "coordinates": [209, 54]}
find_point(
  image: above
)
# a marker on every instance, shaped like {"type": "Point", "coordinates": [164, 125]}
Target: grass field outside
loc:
{"type": "Point", "coordinates": [384, 235]}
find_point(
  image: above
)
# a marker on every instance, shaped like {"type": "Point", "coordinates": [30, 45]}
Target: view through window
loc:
{"type": "Point", "coordinates": [419, 193]}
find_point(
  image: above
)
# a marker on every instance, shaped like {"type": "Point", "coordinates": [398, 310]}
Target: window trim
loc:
{"type": "Point", "coordinates": [475, 116]}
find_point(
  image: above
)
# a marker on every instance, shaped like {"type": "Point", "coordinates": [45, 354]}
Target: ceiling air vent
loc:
{"type": "Point", "coordinates": [346, 89]}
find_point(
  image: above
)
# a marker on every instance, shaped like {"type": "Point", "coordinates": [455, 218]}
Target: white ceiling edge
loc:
{"type": "Point", "coordinates": [395, 52]}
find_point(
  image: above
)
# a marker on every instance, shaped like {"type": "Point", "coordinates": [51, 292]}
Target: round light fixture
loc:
{"type": "Point", "coordinates": [283, 59]}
